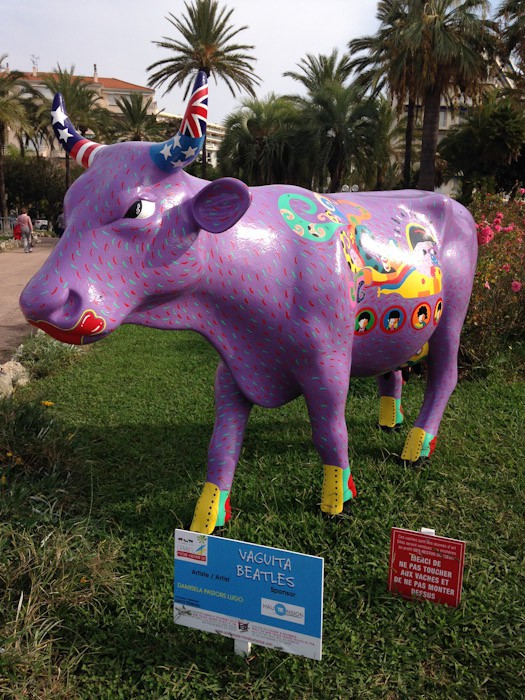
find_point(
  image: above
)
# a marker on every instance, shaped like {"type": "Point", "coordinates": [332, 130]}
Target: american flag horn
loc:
{"type": "Point", "coordinates": [80, 148]}
{"type": "Point", "coordinates": [185, 146]}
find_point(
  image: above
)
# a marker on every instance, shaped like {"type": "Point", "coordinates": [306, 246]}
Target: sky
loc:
{"type": "Point", "coordinates": [118, 36]}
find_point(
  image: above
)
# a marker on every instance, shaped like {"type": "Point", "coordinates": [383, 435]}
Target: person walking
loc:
{"type": "Point", "coordinates": [26, 229]}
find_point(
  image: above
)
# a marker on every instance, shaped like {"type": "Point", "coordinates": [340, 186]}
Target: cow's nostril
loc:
{"type": "Point", "coordinates": [72, 306]}
{"type": "Point", "coordinates": [55, 306]}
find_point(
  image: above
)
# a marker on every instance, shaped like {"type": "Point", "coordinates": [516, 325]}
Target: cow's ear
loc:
{"type": "Point", "coordinates": [220, 205]}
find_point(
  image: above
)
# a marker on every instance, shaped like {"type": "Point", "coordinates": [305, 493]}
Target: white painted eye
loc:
{"type": "Point", "coordinates": [141, 209]}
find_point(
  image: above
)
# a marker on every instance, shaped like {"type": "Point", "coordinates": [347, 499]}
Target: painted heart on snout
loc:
{"type": "Point", "coordinates": [90, 324]}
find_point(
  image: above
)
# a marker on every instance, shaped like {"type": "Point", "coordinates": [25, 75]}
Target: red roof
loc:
{"type": "Point", "coordinates": [107, 83]}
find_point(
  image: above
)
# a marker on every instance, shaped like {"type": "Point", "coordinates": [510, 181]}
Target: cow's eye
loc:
{"type": "Point", "coordinates": [140, 209]}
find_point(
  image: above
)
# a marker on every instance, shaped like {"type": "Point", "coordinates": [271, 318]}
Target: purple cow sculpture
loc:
{"type": "Point", "coordinates": [297, 291]}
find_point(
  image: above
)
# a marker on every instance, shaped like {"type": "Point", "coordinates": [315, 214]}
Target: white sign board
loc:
{"type": "Point", "coordinates": [249, 592]}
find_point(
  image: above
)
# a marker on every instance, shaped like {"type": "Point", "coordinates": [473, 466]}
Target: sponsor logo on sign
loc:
{"type": "Point", "coordinates": [282, 611]}
{"type": "Point", "coordinates": [192, 546]}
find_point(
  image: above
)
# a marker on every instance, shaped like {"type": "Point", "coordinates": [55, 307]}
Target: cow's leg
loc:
{"type": "Point", "coordinates": [326, 402]}
{"type": "Point", "coordinates": [390, 412]}
{"type": "Point", "coordinates": [232, 410]}
{"type": "Point", "coordinates": [442, 364]}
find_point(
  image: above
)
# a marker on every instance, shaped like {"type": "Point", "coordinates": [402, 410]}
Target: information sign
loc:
{"type": "Point", "coordinates": [263, 595]}
{"type": "Point", "coordinates": [426, 566]}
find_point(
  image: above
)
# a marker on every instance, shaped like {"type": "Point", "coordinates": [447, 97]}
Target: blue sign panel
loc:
{"type": "Point", "coordinates": [263, 595]}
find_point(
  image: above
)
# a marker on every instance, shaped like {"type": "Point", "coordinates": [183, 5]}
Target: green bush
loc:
{"type": "Point", "coordinates": [496, 316]}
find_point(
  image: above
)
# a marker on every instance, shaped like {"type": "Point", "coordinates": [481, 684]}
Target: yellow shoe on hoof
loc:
{"type": "Point", "coordinates": [333, 490]}
{"type": "Point", "coordinates": [413, 445]}
{"type": "Point", "coordinates": [387, 412]}
{"type": "Point", "coordinates": [207, 510]}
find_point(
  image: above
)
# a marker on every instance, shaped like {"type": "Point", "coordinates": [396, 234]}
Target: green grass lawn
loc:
{"type": "Point", "coordinates": [87, 539]}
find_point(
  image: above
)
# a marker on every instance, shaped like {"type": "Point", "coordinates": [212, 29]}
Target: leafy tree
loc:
{"type": "Point", "coordinates": [37, 183]}
{"type": "Point", "coordinates": [80, 100]}
{"type": "Point", "coordinates": [387, 61]}
{"type": "Point", "coordinates": [136, 122]}
{"type": "Point", "coordinates": [315, 71]}
{"type": "Point", "coordinates": [447, 46]}
{"type": "Point", "coordinates": [381, 169]}
{"type": "Point", "coordinates": [512, 12]}
{"type": "Point", "coordinates": [324, 138]}
{"type": "Point", "coordinates": [259, 146]}
{"type": "Point", "coordinates": [456, 46]}
{"type": "Point", "coordinates": [481, 148]}
{"type": "Point", "coordinates": [12, 116]}
{"type": "Point", "coordinates": [343, 123]}
{"type": "Point", "coordinates": [207, 43]}
{"type": "Point", "coordinates": [36, 130]}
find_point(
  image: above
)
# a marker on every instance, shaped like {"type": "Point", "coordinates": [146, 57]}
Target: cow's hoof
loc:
{"type": "Point", "coordinates": [338, 487]}
{"type": "Point", "coordinates": [419, 444]}
{"type": "Point", "coordinates": [387, 429]}
{"type": "Point", "coordinates": [348, 509]}
{"type": "Point", "coordinates": [415, 466]}
{"type": "Point", "coordinates": [390, 413]}
{"type": "Point", "coordinates": [212, 511]}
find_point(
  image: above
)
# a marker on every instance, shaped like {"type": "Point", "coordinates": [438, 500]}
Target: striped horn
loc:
{"type": "Point", "coordinates": [183, 149]}
{"type": "Point", "coordinates": [81, 149]}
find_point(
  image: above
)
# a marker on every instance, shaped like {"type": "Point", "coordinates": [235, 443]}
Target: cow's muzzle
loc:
{"type": "Point", "coordinates": [87, 329]}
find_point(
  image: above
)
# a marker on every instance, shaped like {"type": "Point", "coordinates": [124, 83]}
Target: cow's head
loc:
{"type": "Point", "coordinates": [131, 220]}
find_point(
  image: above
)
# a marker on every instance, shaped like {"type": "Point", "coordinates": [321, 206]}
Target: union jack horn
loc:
{"type": "Point", "coordinates": [185, 146]}
{"type": "Point", "coordinates": [79, 147]}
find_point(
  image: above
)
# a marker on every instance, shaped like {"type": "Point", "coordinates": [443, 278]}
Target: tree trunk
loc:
{"type": "Point", "coordinates": [427, 167]}
{"type": "Point", "coordinates": [409, 137]}
{"type": "Point", "coordinates": [335, 168]}
{"type": "Point", "coordinates": [3, 203]}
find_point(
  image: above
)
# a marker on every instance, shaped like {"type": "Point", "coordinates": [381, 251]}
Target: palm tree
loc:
{"type": "Point", "coordinates": [206, 44]}
{"type": "Point", "coordinates": [456, 46]}
{"type": "Point", "coordinates": [259, 146]}
{"type": "Point", "coordinates": [315, 71]}
{"type": "Point", "coordinates": [80, 99]}
{"type": "Point", "coordinates": [12, 115]}
{"type": "Point", "coordinates": [381, 170]}
{"type": "Point", "coordinates": [447, 46]}
{"type": "Point", "coordinates": [37, 128]}
{"type": "Point", "coordinates": [512, 12]}
{"type": "Point", "coordinates": [322, 137]}
{"type": "Point", "coordinates": [343, 123]}
{"type": "Point", "coordinates": [387, 60]}
{"type": "Point", "coordinates": [136, 122]}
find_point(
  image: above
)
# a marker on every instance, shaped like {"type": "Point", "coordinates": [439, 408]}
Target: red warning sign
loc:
{"type": "Point", "coordinates": [426, 566]}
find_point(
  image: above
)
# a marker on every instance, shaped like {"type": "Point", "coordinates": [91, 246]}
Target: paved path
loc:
{"type": "Point", "coordinates": [16, 269]}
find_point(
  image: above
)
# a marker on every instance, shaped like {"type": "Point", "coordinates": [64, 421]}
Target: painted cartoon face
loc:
{"type": "Point", "coordinates": [438, 311]}
{"type": "Point", "coordinates": [393, 323]}
{"type": "Point", "coordinates": [425, 257]}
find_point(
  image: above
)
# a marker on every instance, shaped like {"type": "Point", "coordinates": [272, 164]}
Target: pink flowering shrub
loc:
{"type": "Point", "coordinates": [496, 315]}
